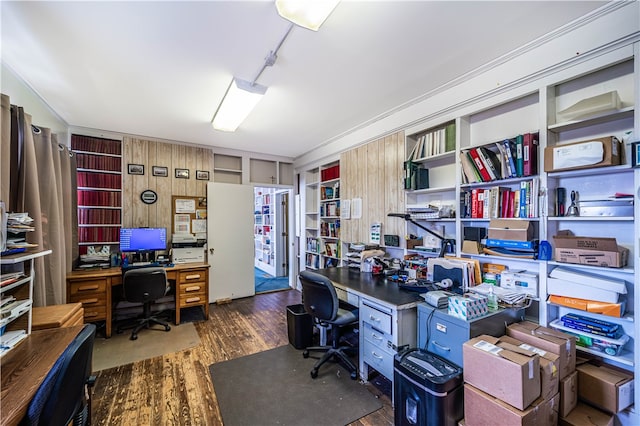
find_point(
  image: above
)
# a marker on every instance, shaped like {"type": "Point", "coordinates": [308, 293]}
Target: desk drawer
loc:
{"type": "Point", "coordinates": [87, 287]}
{"type": "Point", "coordinates": [192, 299]}
{"type": "Point", "coordinates": [95, 313]}
{"type": "Point", "coordinates": [89, 300]}
{"type": "Point", "coordinates": [189, 288]}
{"type": "Point", "coordinates": [378, 319]}
{"type": "Point", "coordinates": [192, 276]}
{"type": "Point", "coordinates": [376, 337]}
{"type": "Point", "coordinates": [378, 358]}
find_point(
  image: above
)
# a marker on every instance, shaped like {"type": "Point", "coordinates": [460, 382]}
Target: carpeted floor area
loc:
{"type": "Point", "coordinates": [274, 387]}
{"type": "Point", "coordinates": [265, 282]}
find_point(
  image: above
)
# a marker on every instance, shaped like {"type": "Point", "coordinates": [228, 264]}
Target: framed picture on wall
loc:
{"type": "Point", "coordinates": [160, 171]}
{"type": "Point", "coordinates": [182, 173]}
{"type": "Point", "coordinates": [202, 175]}
{"type": "Point", "coordinates": [136, 169]}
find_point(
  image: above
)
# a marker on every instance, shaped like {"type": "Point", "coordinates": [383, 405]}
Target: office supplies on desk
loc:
{"type": "Point", "coordinates": [447, 269]}
{"type": "Point", "coordinates": [437, 298]}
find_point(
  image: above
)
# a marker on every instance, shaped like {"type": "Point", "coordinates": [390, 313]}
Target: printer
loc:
{"type": "Point", "coordinates": [185, 248]}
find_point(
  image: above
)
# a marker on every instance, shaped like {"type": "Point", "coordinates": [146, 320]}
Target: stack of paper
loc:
{"type": "Point", "coordinates": [570, 283]}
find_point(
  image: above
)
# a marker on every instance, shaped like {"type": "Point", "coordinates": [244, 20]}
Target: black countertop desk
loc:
{"type": "Point", "coordinates": [374, 286]}
{"type": "Point", "coordinates": [388, 316]}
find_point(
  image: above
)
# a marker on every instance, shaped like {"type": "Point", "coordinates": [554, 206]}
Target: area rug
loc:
{"type": "Point", "coordinates": [274, 387]}
{"type": "Point", "coordinates": [119, 349]}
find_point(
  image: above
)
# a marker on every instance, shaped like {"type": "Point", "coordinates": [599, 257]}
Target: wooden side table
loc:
{"type": "Point", "coordinates": [55, 316]}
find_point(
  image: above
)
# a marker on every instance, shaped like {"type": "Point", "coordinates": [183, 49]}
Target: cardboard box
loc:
{"type": "Point", "coordinates": [579, 155]}
{"type": "Point", "coordinates": [584, 414]}
{"type": "Point", "coordinates": [482, 409]}
{"type": "Point", "coordinates": [411, 243]}
{"type": "Point", "coordinates": [549, 366]}
{"type": "Point", "coordinates": [509, 229]}
{"type": "Point", "coordinates": [606, 388]}
{"type": "Point", "coordinates": [603, 308]}
{"type": "Point", "coordinates": [547, 339]}
{"type": "Point", "coordinates": [512, 376]}
{"type": "Point", "coordinates": [568, 394]}
{"type": "Point", "coordinates": [595, 251]}
{"type": "Point", "coordinates": [468, 306]}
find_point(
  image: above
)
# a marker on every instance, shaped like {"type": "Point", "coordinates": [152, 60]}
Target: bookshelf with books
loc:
{"type": "Point", "coordinates": [518, 138]}
{"type": "Point", "coordinates": [311, 248]}
{"type": "Point", "coordinates": [99, 178]}
{"type": "Point", "coordinates": [430, 189]}
{"type": "Point", "coordinates": [264, 230]}
{"type": "Point", "coordinates": [329, 215]}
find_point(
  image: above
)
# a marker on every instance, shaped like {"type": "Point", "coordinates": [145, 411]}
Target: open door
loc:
{"type": "Point", "coordinates": [230, 241]}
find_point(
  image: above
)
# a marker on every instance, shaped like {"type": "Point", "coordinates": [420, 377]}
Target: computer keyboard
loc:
{"type": "Point", "coordinates": [141, 263]}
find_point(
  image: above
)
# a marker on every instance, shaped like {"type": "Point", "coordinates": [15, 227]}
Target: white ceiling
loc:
{"type": "Point", "coordinates": [160, 69]}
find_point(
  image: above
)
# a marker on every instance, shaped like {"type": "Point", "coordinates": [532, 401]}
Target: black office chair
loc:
{"type": "Point", "coordinates": [144, 285]}
{"type": "Point", "coordinates": [321, 302]}
{"type": "Point", "coordinates": [65, 394]}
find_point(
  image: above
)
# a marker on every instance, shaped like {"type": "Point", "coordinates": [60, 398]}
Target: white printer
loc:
{"type": "Point", "coordinates": [185, 248]}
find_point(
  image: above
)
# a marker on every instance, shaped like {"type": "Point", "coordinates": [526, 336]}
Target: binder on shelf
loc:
{"type": "Point", "coordinates": [491, 162]}
{"type": "Point", "coordinates": [477, 161]}
{"type": "Point", "coordinates": [510, 149]}
{"type": "Point", "coordinates": [519, 156]}
{"type": "Point", "coordinates": [530, 154]}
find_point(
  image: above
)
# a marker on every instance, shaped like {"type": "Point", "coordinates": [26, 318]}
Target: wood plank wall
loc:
{"type": "Point", "coordinates": [373, 172]}
{"type": "Point", "coordinates": [154, 153]}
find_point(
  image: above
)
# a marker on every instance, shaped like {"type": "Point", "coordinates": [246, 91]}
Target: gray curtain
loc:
{"type": "Point", "coordinates": [42, 183]}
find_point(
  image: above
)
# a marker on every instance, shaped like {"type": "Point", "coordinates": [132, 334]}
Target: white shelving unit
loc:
{"type": "Point", "coordinates": [533, 108]}
{"type": "Point", "coordinates": [264, 230]}
{"type": "Point", "coordinates": [16, 319]}
{"type": "Point", "coordinates": [320, 242]}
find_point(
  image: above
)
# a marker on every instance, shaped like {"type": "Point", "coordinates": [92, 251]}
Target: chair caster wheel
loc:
{"type": "Point", "coordinates": [314, 373]}
{"type": "Point", "coordinates": [134, 337]}
{"type": "Point", "coordinates": [305, 354]}
{"type": "Point", "coordinates": [354, 375]}
{"type": "Point", "coordinates": [167, 328]}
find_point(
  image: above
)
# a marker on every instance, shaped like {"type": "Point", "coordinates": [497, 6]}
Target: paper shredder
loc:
{"type": "Point", "coordinates": [427, 390]}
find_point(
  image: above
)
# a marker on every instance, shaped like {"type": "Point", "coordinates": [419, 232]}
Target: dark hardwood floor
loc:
{"type": "Point", "coordinates": [176, 389]}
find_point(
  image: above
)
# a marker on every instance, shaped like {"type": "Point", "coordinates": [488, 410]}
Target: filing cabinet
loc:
{"type": "Point", "coordinates": [444, 334]}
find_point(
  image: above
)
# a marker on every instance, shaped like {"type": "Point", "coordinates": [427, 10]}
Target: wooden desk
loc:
{"type": "Point", "coordinates": [388, 316]}
{"type": "Point", "coordinates": [93, 289]}
{"type": "Point", "coordinates": [25, 367]}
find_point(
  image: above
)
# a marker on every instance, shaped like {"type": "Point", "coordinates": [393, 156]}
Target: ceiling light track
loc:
{"type": "Point", "coordinates": [242, 96]}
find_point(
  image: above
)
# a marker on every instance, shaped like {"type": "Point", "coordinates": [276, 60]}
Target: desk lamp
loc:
{"type": "Point", "coordinates": [446, 242]}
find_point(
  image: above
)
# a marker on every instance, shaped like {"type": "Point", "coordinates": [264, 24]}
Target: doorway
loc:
{"type": "Point", "coordinates": [272, 239]}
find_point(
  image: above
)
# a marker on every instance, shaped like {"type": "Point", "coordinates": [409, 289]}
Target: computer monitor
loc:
{"type": "Point", "coordinates": [143, 239]}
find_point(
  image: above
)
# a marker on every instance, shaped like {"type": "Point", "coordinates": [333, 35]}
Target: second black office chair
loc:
{"type": "Point", "coordinates": [144, 285]}
{"type": "Point", "coordinates": [65, 394]}
{"type": "Point", "coordinates": [321, 302]}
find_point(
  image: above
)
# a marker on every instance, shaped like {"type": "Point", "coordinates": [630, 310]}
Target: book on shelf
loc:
{"type": "Point", "coordinates": [450, 137]}
{"type": "Point", "coordinates": [469, 171]}
{"type": "Point", "coordinates": [505, 171]}
{"type": "Point", "coordinates": [509, 146]}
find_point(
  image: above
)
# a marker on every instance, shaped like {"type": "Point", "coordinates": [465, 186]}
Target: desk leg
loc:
{"type": "Point", "coordinates": [107, 327]}
{"type": "Point", "coordinates": [177, 313]}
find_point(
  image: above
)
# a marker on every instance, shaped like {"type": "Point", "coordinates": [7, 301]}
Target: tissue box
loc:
{"type": "Point", "coordinates": [468, 306]}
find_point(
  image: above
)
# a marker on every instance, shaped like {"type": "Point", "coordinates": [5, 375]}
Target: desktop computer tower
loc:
{"type": "Point", "coordinates": [427, 390]}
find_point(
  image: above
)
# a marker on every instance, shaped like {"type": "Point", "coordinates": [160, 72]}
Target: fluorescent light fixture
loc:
{"type": "Point", "coordinates": [240, 99]}
{"type": "Point", "coordinates": [306, 13]}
